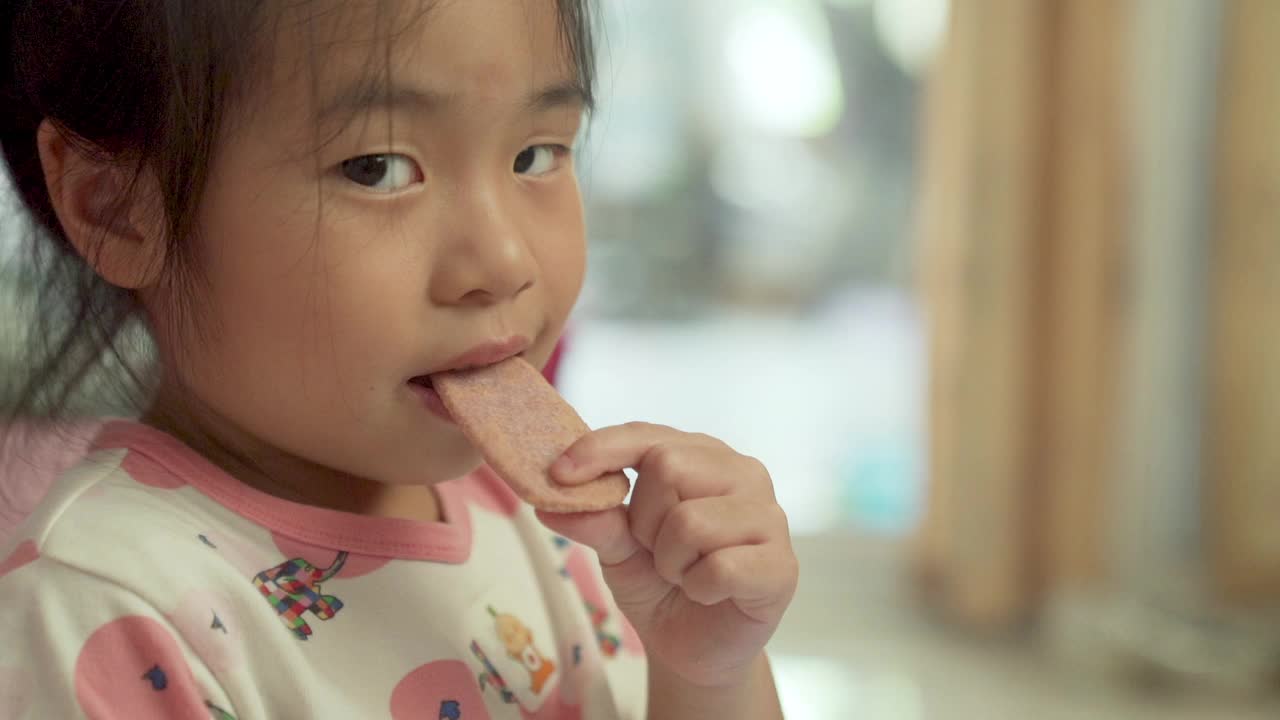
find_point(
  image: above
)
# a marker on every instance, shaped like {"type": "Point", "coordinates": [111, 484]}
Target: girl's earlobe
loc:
{"type": "Point", "coordinates": [111, 221]}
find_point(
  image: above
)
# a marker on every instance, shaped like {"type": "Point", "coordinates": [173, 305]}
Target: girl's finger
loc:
{"type": "Point", "coordinates": [627, 567]}
{"type": "Point", "coordinates": [759, 579]}
{"type": "Point", "coordinates": [671, 474]}
{"type": "Point", "coordinates": [699, 527]}
{"type": "Point", "coordinates": [607, 532]}
{"type": "Point", "coordinates": [614, 448]}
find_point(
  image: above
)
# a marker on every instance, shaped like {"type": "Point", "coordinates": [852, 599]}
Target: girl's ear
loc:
{"type": "Point", "coordinates": [121, 237]}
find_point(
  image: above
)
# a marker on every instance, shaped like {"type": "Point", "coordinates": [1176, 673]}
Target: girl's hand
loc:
{"type": "Point", "coordinates": [700, 561]}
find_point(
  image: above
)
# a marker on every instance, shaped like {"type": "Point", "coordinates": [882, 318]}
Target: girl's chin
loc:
{"type": "Point", "coordinates": [446, 463]}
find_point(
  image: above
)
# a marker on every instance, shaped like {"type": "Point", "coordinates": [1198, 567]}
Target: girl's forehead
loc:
{"type": "Point", "coordinates": [453, 49]}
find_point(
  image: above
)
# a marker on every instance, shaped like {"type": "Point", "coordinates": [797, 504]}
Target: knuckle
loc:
{"type": "Point", "coordinates": [707, 440]}
{"type": "Point", "coordinates": [687, 524]}
{"type": "Point", "coordinates": [777, 518]}
{"type": "Point", "coordinates": [640, 427]}
{"type": "Point", "coordinates": [665, 464]}
{"type": "Point", "coordinates": [721, 568]}
{"type": "Point", "coordinates": [754, 468]}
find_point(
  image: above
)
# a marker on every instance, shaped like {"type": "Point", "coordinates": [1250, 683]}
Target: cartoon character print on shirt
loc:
{"type": "Point", "coordinates": [490, 677]}
{"type": "Point", "coordinates": [514, 664]}
{"type": "Point", "coordinates": [613, 632]}
{"type": "Point", "coordinates": [293, 588]}
{"type": "Point", "coordinates": [518, 670]}
{"type": "Point", "coordinates": [518, 641]}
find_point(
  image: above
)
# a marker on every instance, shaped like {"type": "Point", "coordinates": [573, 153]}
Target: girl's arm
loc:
{"type": "Point", "coordinates": [671, 698]}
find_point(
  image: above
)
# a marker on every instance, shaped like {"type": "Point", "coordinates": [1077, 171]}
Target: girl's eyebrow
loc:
{"type": "Point", "coordinates": [565, 94]}
{"type": "Point", "coordinates": [363, 97]}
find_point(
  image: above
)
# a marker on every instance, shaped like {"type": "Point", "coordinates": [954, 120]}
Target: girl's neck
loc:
{"type": "Point", "coordinates": [276, 472]}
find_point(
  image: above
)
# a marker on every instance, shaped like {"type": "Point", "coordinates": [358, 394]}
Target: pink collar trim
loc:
{"type": "Point", "coordinates": [446, 542]}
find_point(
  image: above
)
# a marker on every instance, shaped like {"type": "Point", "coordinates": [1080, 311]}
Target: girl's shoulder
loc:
{"type": "Point", "coordinates": [32, 456]}
{"type": "Point", "coordinates": [123, 515]}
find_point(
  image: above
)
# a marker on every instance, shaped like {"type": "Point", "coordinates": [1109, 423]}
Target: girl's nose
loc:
{"type": "Point", "coordinates": [486, 258]}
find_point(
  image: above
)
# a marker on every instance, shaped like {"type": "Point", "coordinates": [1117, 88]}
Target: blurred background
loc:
{"type": "Point", "coordinates": [991, 286]}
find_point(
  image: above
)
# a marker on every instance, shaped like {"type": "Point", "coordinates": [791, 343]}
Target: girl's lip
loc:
{"type": "Point", "coordinates": [487, 353]}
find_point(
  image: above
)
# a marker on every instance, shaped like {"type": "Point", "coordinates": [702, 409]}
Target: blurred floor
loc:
{"type": "Point", "coordinates": [854, 646]}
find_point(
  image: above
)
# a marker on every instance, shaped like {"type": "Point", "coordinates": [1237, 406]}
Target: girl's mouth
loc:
{"type": "Point", "coordinates": [426, 392]}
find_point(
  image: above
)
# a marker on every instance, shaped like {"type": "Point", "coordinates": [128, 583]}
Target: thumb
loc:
{"type": "Point", "coordinates": [608, 532]}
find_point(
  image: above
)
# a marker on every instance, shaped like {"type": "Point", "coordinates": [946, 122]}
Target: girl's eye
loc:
{"type": "Point", "coordinates": [539, 159]}
{"type": "Point", "coordinates": [384, 173]}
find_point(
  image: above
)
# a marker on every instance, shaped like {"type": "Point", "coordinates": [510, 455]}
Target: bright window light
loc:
{"type": "Point", "coordinates": [783, 71]}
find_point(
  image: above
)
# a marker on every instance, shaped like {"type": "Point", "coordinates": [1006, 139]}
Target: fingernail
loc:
{"type": "Point", "coordinates": [562, 467]}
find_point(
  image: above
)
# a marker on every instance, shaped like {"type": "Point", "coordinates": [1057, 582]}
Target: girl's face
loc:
{"type": "Point", "coordinates": [441, 212]}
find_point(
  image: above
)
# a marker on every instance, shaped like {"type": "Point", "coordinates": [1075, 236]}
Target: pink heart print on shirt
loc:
{"type": "Point", "coordinates": [25, 553]}
{"type": "Point", "coordinates": [132, 667]}
{"type": "Point", "coordinates": [440, 690]}
{"type": "Point", "coordinates": [148, 472]}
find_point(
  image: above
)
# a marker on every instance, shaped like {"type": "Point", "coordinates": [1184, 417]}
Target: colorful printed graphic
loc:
{"type": "Point", "coordinates": [614, 634]}
{"type": "Point", "coordinates": [491, 677]}
{"type": "Point", "coordinates": [518, 640]}
{"type": "Point", "coordinates": [608, 642]}
{"type": "Point", "coordinates": [293, 588]}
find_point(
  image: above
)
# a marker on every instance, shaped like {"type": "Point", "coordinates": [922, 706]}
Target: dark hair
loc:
{"type": "Point", "coordinates": [142, 84]}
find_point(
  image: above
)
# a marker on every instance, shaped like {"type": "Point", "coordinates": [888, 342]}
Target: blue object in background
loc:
{"type": "Point", "coordinates": [881, 482]}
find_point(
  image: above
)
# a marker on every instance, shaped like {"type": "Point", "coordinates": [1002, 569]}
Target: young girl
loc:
{"type": "Point", "coordinates": [308, 205]}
